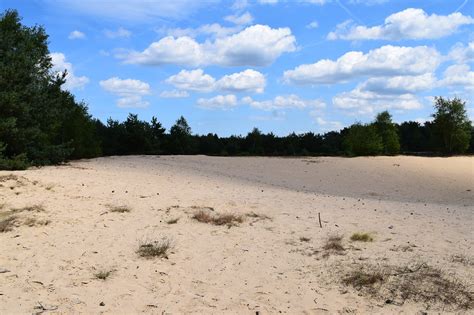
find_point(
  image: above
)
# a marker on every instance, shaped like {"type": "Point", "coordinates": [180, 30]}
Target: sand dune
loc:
{"type": "Point", "coordinates": [418, 211]}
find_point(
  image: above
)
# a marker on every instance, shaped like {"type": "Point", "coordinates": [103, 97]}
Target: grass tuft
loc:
{"type": "Point", "coordinates": [173, 221]}
{"type": "Point", "coordinates": [154, 248]}
{"type": "Point", "coordinates": [362, 237]}
{"type": "Point", "coordinates": [103, 274]}
{"type": "Point", "coordinates": [228, 219]}
{"type": "Point", "coordinates": [305, 239]}
{"type": "Point", "coordinates": [7, 224]}
{"type": "Point", "coordinates": [120, 209]}
{"type": "Point", "coordinates": [334, 243]}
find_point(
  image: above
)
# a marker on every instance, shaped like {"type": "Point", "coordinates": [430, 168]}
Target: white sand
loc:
{"type": "Point", "coordinates": [417, 209]}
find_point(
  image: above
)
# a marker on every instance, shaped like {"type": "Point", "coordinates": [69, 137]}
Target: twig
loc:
{"type": "Point", "coordinates": [319, 217]}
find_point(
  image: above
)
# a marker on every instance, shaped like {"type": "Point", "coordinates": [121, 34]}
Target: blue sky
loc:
{"type": "Point", "coordinates": [281, 66]}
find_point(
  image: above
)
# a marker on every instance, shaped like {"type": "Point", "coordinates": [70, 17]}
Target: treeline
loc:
{"type": "Point", "coordinates": [42, 124]}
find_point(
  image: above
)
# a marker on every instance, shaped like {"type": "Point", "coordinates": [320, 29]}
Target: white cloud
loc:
{"type": "Point", "coordinates": [76, 35]}
{"type": "Point", "coordinates": [174, 94]}
{"type": "Point", "coordinates": [120, 32]}
{"type": "Point", "coordinates": [246, 81]}
{"type": "Point", "coordinates": [312, 25]}
{"type": "Point", "coordinates": [381, 62]}
{"type": "Point", "coordinates": [223, 102]}
{"type": "Point", "coordinates": [410, 23]}
{"type": "Point", "coordinates": [257, 45]}
{"type": "Point", "coordinates": [130, 91]}
{"type": "Point", "coordinates": [462, 53]}
{"type": "Point", "coordinates": [368, 2]}
{"type": "Point", "coordinates": [458, 76]}
{"type": "Point", "coordinates": [196, 80]}
{"type": "Point", "coordinates": [239, 4]}
{"type": "Point", "coordinates": [213, 30]}
{"type": "Point", "coordinates": [282, 102]}
{"type": "Point", "coordinates": [243, 19]}
{"type": "Point", "coordinates": [325, 124]}
{"type": "Point", "coordinates": [360, 101]}
{"type": "Point", "coordinates": [400, 84]}
{"type": "Point", "coordinates": [60, 65]}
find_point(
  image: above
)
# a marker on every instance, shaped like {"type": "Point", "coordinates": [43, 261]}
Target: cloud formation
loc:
{"type": "Point", "coordinates": [291, 101]}
{"type": "Point", "coordinates": [381, 62]}
{"type": "Point", "coordinates": [257, 45]}
{"type": "Point", "coordinates": [223, 102]}
{"type": "Point", "coordinates": [60, 65]}
{"type": "Point", "coordinates": [130, 91]}
{"type": "Point", "coordinates": [120, 32]}
{"type": "Point", "coordinates": [76, 35]}
{"type": "Point", "coordinates": [196, 80]}
{"type": "Point", "coordinates": [410, 23]}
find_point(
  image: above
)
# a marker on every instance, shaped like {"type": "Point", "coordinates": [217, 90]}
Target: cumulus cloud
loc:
{"type": "Point", "coordinates": [400, 84]}
{"type": "Point", "coordinates": [407, 24]}
{"type": "Point", "coordinates": [60, 65]}
{"type": "Point", "coordinates": [257, 45]}
{"type": "Point", "coordinates": [284, 102]}
{"type": "Point", "coordinates": [325, 125]}
{"type": "Point", "coordinates": [76, 35]}
{"type": "Point", "coordinates": [120, 32]}
{"type": "Point", "coordinates": [381, 62]}
{"type": "Point", "coordinates": [312, 25]}
{"type": "Point", "coordinates": [462, 53]}
{"type": "Point", "coordinates": [223, 102]}
{"type": "Point", "coordinates": [196, 80]}
{"type": "Point", "coordinates": [129, 91]}
{"type": "Point", "coordinates": [359, 101]}
{"type": "Point", "coordinates": [243, 19]}
{"type": "Point", "coordinates": [458, 76]}
{"type": "Point", "coordinates": [174, 94]}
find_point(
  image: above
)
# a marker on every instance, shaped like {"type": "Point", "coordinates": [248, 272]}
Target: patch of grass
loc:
{"type": "Point", "coordinates": [33, 208]}
{"type": "Point", "coordinates": [362, 237]}
{"type": "Point", "coordinates": [103, 274]}
{"type": "Point", "coordinates": [334, 243]}
{"type": "Point", "coordinates": [154, 248]}
{"type": "Point", "coordinates": [35, 222]}
{"type": "Point", "coordinates": [305, 239]}
{"type": "Point", "coordinates": [7, 224]}
{"type": "Point", "coordinates": [258, 216]}
{"type": "Point", "coordinates": [420, 283]}
{"type": "Point", "coordinates": [119, 209]}
{"type": "Point", "coordinates": [228, 219]}
{"type": "Point", "coordinates": [4, 178]}
{"type": "Point", "coordinates": [173, 221]}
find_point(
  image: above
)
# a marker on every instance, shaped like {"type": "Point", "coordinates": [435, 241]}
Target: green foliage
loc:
{"type": "Point", "coordinates": [388, 132]}
{"type": "Point", "coordinates": [363, 140]}
{"type": "Point", "coordinates": [452, 127]}
{"type": "Point", "coordinates": [39, 122]}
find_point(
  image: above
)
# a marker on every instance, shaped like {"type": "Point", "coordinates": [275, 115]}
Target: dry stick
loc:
{"type": "Point", "coordinates": [319, 217]}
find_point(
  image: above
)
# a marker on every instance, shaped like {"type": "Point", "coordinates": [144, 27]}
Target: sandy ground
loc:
{"type": "Point", "coordinates": [418, 210]}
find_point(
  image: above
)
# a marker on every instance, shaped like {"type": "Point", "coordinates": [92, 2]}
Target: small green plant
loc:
{"type": "Point", "coordinates": [362, 237]}
{"type": "Point", "coordinates": [154, 248]}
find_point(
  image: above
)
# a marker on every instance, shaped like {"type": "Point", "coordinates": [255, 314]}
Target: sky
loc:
{"type": "Point", "coordinates": [280, 65]}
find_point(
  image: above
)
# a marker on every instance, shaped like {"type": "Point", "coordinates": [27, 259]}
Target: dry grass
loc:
{"type": "Point", "coordinates": [462, 259]}
{"type": "Point", "coordinates": [420, 283]}
{"type": "Point", "coordinates": [228, 219]}
{"type": "Point", "coordinates": [362, 237]}
{"type": "Point", "coordinates": [334, 243]}
{"type": "Point", "coordinates": [305, 239]}
{"type": "Point", "coordinates": [103, 274]}
{"type": "Point", "coordinates": [7, 224]}
{"type": "Point", "coordinates": [35, 222]}
{"type": "Point", "coordinates": [154, 248]}
{"type": "Point", "coordinates": [258, 216]}
{"type": "Point", "coordinates": [5, 178]}
{"type": "Point", "coordinates": [173, 221]}
{"type": "Point", "coordinates": [119, 209]}
{"type": "Point", "coordinates": [33, 208]}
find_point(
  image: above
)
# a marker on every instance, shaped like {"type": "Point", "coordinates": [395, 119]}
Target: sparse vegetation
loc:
{"type": "Point", "coordinates": [463, 260]}
{"type": "Point", "coordinates": [228, 219]}
{"type": "Point", "coordinates": [103, 274]}
{"type": "Point", "coordinates": [7, 224]}
{"type": "Point", "coordinates": [119, 209]}
{"type": "Point", "coordinates": [33, 208]}
{"type": "Point", "coordinates": [420, 283]}
{"type": "Point", "coordinates": [362, 237]}
{"type": "Point", "coordinates": [154, 248]}
{"type": "Point", "coordinates": [334, 243]}
{"type": "Point", "coordinates": [173, 221]}
{"type": "Point", "coordinates": [305, 239]}
{"type": "Point", "coordinates": [257, 216]}
{"type": "Point", "coordinates": [35, 222]}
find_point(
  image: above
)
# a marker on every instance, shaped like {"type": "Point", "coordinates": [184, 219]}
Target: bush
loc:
{"type": "Point", "coordinates": [363, 140]}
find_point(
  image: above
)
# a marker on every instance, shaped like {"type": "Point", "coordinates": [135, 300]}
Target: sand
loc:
{"type": "Point", "coordinates": [418, 210]}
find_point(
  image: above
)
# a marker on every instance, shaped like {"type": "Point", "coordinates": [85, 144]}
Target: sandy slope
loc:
{"type": "Point", "coordinates": [417, 209]}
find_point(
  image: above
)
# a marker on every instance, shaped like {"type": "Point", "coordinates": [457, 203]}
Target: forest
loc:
{"type": "Point", "coordinates": [42, 124]}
